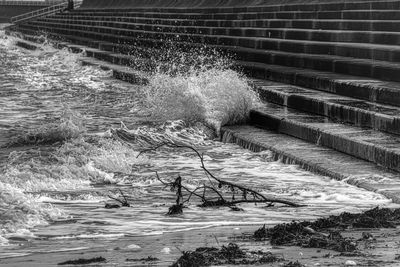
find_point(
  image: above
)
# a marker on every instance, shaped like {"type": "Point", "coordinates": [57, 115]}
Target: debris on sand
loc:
{"type": "Point", "coordinates": [148, 259]}
{"type": "Point", "coordinates": [374, 218]}
{"type": "Point", "coordinates": [231, 254]}
{"type": "Point", "coordinates": [83, 261]}
{"type": "Point", "coordinates": [300, 234]}
{"type": "Point", "coordinates": [293, 264]}
{"type": "Point", "coordinates": [325, 232]}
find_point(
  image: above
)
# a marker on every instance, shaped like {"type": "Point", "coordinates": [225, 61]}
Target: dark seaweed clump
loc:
{"type": "Point", "coordinates": [325, 232]}
{"type": "Point", "coordinates": [293, 264]}
{"type": "Point", "coordinates": [148, 259]}
{"type": "Point", "coordinates": [83, 261]}
{"type": "Point", "coordinates": [231, 254]}
{"type": "Point", "coordinates": [296, 234]}
{"type": "Point", "coordinates": [374, 218]}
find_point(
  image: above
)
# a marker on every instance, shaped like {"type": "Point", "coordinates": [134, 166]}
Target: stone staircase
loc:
{"type": "Point", "coordinates": [329, 73]}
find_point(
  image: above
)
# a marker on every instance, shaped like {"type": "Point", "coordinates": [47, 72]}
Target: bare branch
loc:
{"type": "Point", "coordinates": [257, 197]}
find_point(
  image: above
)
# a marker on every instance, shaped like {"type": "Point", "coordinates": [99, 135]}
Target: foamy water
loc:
{"type": "Point", "coordinates": [61, 162]}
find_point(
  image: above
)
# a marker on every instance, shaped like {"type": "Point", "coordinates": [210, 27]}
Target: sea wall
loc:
{"type": "Point", "coordinates": [7, 10]}
{"type": "Point", "coordinates": [116, 4]}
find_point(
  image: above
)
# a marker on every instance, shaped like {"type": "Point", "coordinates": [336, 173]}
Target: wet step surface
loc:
{"type": "Point", "coordinates": [317, 158]}
{"type": "Point", "coordinates": [367, 144]}
{"type": "Point", "coordinates": [373, 90]}
{"type": "Point", "coordinates": [343, 109]}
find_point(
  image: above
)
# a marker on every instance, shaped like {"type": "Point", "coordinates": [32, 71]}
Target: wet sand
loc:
{"type": "Point", "coordinates": [167, 248]}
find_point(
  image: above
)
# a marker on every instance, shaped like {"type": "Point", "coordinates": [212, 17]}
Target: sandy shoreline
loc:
{"type": "Point", "coordinates": [167, 248]}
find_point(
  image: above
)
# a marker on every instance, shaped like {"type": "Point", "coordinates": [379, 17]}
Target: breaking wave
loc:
{"type": "Point", "coordinates": [198, 85]}
{"type": "Point", "coordinates": [20, 212]}
{"type": "Point", "coordinates": [215, 97]}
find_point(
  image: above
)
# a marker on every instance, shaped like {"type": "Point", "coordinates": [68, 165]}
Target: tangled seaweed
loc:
{"type": "Point", "coordinates": [148, 259]}
{"type": "Point", "coordinates": [231, 254]}
{"type": "Point", "coordinates": [83, 261]}
{"type": "Point", "coordinates": [374, 218]}
{"type": "Point", "coordinates": [300, 234]}
{"type": "Point", "coordinates": [324, 233]}
{"type": "Point", "coordinates": [293, 264]}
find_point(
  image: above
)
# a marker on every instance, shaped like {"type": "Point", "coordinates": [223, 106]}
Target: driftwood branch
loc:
{"type": "Point", "coordinates": [124, 202]}
{"type": "Point", "coordinates": [247, 195]}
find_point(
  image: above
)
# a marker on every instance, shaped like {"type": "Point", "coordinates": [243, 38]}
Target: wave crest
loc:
{"type": "Point", "coordinates": [213, 96]}
{"type": "Point", "coordinates": [69, 126]}
{"type": "Point", "coordinates": [20, 212]}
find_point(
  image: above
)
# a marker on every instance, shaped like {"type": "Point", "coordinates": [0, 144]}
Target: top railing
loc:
{"type": "Point", "coordinates": [30, 3]}
{"type": "Point", "coordinates": [44, 11]}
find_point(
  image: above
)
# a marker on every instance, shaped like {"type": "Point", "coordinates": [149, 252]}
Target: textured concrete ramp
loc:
{"type": "Point", "coordinates": [117, 4]}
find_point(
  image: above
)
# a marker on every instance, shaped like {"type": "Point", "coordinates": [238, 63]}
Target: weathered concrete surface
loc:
{"type": "Point", "coordinates": [339, 108]}
{"type": "Point", "coordinates": [104, 4]}
{"type": "Point", "coordinates": [317, 158]}
{"type": "Point", "coordinates": [371, 145]}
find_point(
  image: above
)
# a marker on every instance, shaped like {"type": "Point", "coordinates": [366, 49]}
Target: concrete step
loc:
{"type": "Point", "coordinates": [371, 145]}
{"type": "Point", "coordinates": [327, 24]}
{"type": "Point", "coordinates": [356, 50]}
{"type": "Point", "coordinates": [335, 5]}
{"type": "Point", "coordinates": [373, 90]}
{"type": "Point", "coordinates": [338, 108]}
{"type": "Point", "coordinates": [359, 14]}
{"type": "Point", "coordinates": [119, 72]}
{"type": "Point", "coordinates": [131, 29]}
{"type": "Point", "coordinates": [316, 158]}
{"type": "Point", "coordinates": [358, 67]}
{"type": "Point", "coordinates": [103, 58]}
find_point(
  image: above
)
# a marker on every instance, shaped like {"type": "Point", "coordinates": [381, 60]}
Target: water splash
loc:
{"type": "Point", "coordinates": [6, 40]}
{"type": "Point", "coordinates": [215, 97]}
{"type": "Point", "coordinates": [194, 84]}
{"type": "Point", "coordinates": [20, 212]}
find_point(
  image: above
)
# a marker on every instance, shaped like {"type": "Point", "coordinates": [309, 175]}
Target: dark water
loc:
{"type": "Point", "coordinates": [54, 192]}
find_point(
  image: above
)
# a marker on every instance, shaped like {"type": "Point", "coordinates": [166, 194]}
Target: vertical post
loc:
{"type": "Point", "coordinates": [70, 5]}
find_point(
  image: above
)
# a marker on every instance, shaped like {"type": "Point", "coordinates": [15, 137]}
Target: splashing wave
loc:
{"type": "Point", "coordinates": [216, 97]}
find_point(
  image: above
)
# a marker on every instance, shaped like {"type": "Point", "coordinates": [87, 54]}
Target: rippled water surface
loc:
{"type": "Point", "coordinates": [57, 190]}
